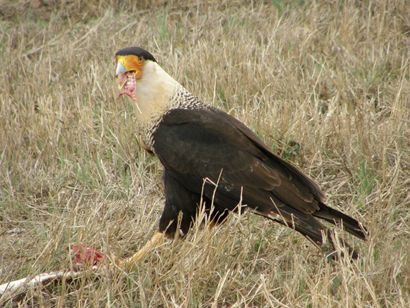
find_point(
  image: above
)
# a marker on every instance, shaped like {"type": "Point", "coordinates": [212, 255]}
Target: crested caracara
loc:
{"type": "Point", "coordinates": [208, 155]}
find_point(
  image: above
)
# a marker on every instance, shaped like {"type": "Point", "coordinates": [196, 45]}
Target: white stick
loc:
{"type": "Point", "coordinates": [26, 283]}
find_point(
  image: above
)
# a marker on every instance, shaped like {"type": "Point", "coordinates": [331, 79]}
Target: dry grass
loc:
{"type": "Point", "coordinates": [325, 83]}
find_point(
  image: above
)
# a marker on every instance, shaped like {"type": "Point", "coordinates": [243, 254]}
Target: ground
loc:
{"type": "Point", "coordinates": [324, 83]}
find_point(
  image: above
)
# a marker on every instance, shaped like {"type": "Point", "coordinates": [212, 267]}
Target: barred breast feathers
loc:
{"type": "Point", "coordinates": [157, 94]}
{"type": "Point", "coordinates": [182, 99]}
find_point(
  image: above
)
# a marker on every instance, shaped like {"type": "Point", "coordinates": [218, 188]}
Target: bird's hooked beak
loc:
{"type": "Point", "coordinates": [120, 69]}
{"type": "Point", "coordinates": [126, 81]}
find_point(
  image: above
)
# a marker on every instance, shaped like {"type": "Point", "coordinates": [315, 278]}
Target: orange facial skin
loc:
{"type": "Point", "coordinates": [133, 71]}
{"type": "Point", "coordinates": [132, 63]}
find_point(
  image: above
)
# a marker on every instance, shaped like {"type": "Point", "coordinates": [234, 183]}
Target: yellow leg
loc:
{"type": "Point", "coordinates": [154, 242]}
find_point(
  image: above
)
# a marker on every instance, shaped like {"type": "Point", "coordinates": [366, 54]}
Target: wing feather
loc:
{"type": "Point", "coordinates": [199, 144]}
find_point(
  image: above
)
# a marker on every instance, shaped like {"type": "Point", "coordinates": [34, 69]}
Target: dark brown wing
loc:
{"type": "Point", "coordinates": [209, 144]}
{"type": "Point", "coordinates": [202, 143]}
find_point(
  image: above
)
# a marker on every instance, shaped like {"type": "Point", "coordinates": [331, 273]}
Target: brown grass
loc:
{"type": "Point", "coordinates": [325, 84]}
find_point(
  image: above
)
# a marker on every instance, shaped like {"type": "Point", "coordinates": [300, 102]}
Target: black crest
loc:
{"type": "Point", "coordinates": [136, 51]}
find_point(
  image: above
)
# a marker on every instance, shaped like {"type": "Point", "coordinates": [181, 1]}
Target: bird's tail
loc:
{"type": "Point", "coordinates": [312, 229]}
{"type": "Point", "coordinates": [348, 223]}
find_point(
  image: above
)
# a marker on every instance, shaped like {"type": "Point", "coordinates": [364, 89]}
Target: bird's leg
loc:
{"type": "Point", "coordinates": [154, 242]}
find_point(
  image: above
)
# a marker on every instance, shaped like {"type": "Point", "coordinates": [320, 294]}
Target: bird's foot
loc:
{"type": "Point", "coordinates": [85, 257]}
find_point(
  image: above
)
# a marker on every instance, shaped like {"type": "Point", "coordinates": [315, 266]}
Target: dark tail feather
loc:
{"type": "Point", "coordinates": [350, 224]}
{"type": "Point", "coordinates": [317, 233]}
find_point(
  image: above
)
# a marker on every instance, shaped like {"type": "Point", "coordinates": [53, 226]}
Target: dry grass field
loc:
{"type": "Point", "coordinates": [326, 84]}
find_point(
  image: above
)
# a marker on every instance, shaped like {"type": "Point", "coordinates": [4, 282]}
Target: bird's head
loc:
{"type": "Point", "coordinates": [130, 66]}
{"type": "Point", "coordinates": [140, 78]}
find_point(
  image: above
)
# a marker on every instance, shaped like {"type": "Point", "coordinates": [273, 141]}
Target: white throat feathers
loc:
{"type": "Point", "coordinates": [156, 94]}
